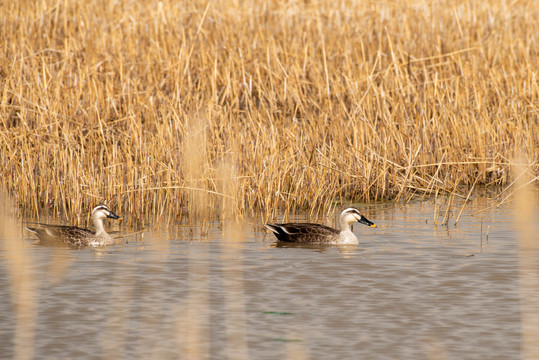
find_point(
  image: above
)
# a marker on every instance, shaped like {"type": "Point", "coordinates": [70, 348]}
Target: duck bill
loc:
{"type": "Point", "coordinates": [367, 222]}
{"type": "Point", "coordinates": [113, 216]}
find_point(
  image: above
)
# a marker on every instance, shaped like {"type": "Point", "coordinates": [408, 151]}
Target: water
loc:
{"type": "Point", "coordinates": [410, 290]}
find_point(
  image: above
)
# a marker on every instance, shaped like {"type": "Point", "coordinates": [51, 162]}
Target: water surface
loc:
{"type": "Point", "coordinates": [411, 289]}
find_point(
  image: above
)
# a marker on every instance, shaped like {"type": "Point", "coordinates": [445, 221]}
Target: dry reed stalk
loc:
{"type": "Point", "coordinates": [435, 349]}
{"type": "Point", "coordinates": [436, 209]}
{"type": "Point", "coordinates": [525, 224]}
{"type": "Point", "coordinates": [22, 283]}
{"type": "Point", "coordinates": [192, 315]}
{"type": "Point", "coordinates": [465, 201]}
{"type": "Point", "coordinates": [447, 213]}
{"type": "Point", "coordinates": [98, 101]}
{"type": "Point", "coordinates": [233, 277]}
{"type": "Point", "coordinates": [194, 166]}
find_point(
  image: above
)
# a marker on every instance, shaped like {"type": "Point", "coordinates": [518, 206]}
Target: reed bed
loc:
{"type": "Point", "coordinates": [304, 104]}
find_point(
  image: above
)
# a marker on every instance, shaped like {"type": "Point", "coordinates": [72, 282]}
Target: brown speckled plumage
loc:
{"type": "Point", "coordinates": [75, 236]}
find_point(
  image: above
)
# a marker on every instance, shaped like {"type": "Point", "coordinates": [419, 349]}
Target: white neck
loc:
{"type": "Point", "coordinates": [99, 229]}
{"type": "Point", "coordinates": [345, 226]}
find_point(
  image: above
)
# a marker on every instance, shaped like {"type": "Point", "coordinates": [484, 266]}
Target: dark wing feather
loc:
{"type": "Point", "coordinates": [305, 233]}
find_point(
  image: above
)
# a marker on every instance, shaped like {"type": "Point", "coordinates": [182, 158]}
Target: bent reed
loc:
{"type": "Point", "coordinates": [167, 107]}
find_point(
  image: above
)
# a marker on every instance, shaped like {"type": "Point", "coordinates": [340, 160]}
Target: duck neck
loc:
{"type": "Point", "coordinates": [347, 236]}
{"type": "Point", "coordinates": [345, 226]}
{"type": "Point", "coordinates": [99, 228]}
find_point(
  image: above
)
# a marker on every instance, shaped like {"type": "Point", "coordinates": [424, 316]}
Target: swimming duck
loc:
{"type": "Point", "coordinates": [307, 233]}
{"type": "Point", "coordinates": [75, 236]}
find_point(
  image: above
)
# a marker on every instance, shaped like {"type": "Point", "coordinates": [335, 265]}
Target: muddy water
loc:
{"type": "Point", "coordinates": [411, 289]}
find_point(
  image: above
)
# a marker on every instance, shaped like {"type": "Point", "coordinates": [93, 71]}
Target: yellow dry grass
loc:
{"type": "Point", "coordinates": [307, 102]}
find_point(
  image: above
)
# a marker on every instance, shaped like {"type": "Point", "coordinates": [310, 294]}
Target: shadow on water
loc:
{"type": "Point", "coordinates": [410, 289]}
{"type": "Point", "coordinates": [321, 248]}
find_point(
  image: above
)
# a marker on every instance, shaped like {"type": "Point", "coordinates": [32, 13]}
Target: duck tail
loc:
{"type": "Point", "coordinates": [273, 228]}
{"type": "Point", "coordinates": [32, 230]}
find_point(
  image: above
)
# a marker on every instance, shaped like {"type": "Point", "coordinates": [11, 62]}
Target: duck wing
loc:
{"type": "Point", "coordinates": [70, 235]}
{"type": "Point", "coordinates": [306, 233]}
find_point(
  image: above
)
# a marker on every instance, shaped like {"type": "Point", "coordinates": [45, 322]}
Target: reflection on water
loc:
{"type": "Point", "coordinates": [409, 290]}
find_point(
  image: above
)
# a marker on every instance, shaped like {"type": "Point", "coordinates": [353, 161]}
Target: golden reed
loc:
{"type": "Point", "coordinates": [310, 102]}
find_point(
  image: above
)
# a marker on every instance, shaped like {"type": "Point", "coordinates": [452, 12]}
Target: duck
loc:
{"type": "Point", "coordinates": [75, 236]}
{"type": "Point", "coordinates": [308, 233]}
